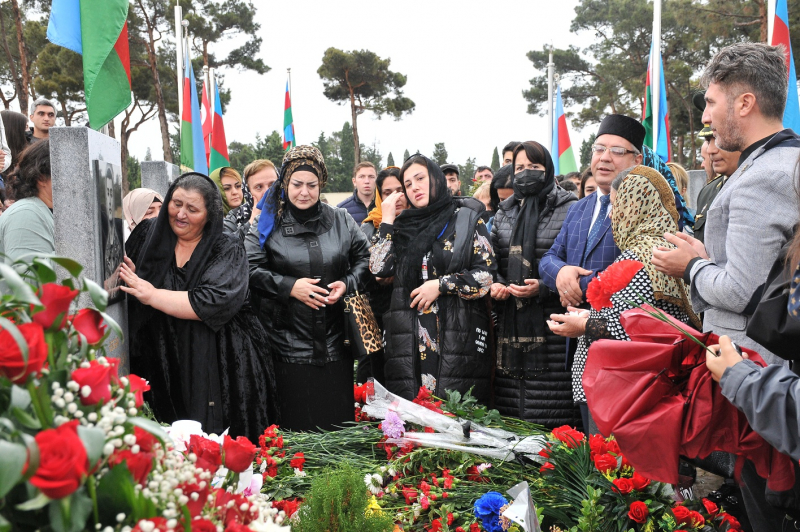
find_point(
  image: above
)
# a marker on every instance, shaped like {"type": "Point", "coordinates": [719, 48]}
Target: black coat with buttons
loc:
{"type": "Point", "coordinates": [330, 247]}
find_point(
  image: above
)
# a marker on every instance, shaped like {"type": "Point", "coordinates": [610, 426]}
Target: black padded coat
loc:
{"type": "Point", "coordinates": [545, 399]}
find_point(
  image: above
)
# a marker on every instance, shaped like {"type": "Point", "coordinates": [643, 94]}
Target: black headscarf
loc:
{"type": "Point", "coordinates": [158, 251]}
{"type": "Point", "coordinates": [416, 229]}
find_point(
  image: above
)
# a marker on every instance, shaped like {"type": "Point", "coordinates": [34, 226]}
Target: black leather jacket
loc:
{"type": "Point", "coordinates": [330, 247]}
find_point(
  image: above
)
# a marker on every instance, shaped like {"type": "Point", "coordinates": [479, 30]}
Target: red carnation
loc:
{"type": "Point", "coordinates": [605, 463]}
{"type": "Point", "coordinates": [232, 513]}
{"type": "Point", "coordinates": [98, 378]}
{"type": "Point", "coordinates": [90, 324]}
{"type": "Point", "coordinates": [209, 455]}
{"type": "Point", "coordinates": [639, 482]}
{"type": "Point", "coordinates": [298, 461]}
{"type": "Point", "coordinates": [287, 506]}
{"type": "Point", "coordinates": [568, 435]}
{"type": "Point", "coordinates": [638, 512]}
{"type": "Point", "coordinates": [410, 494]}
{"type": "Point", "coordinates": [609, 282]}
{"type": "Point", "coordinates": [55, 299]}
{"type": "Point", "coordinates": [139, 464]}
{"type": "Point", "coordinates": [138, 387]}
{"type": "Point", "coordinates": [547, 467]}
{"type": "Point", "coordinates": [239, 453]}
{"type": "Point", "coordinates": [623, 485]}
{"type": "Point", "coordinates": [711, 507]}
{"type": "Point", "coordinates": [12, 365]}
{"type": "Point", "coordinates": [474, 527]}
{"type": "Point", "coordinates": [63, 461]}
{"type": "Point", "coordinates": [682, 514]}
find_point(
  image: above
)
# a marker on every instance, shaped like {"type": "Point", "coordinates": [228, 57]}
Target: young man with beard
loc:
{"type": "Point", "coordinates": [750, 220]}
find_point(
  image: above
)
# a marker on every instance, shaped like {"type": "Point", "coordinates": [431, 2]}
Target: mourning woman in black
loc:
{"type": "Point", "coordinates": [192, 333]}
{"type": "Point", "coordinates": [304, 257]}
{"type": "Point", "coordinates": [437, 326]}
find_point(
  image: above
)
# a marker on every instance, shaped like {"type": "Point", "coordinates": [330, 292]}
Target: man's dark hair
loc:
{"type": "Point", "coordinates": [569, 185]}
{"type": "Point", "coordinates": [15, 125]}
{"type": "Point", "coordinates": [751, 67]}
{"type": "Point", "coordinates": [572, 175]}
{"type": "Point", "coordinates": [511, 146]}
{"type": "Point", "coordinates": [481, 169]}
{"type": "Point", "coordinates": [33, 167]}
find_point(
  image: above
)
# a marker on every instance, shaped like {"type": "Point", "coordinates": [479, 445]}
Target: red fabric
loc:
{"type": "Point", "coordinates": [657, 397]}
{"type": "Point", "coordinates": [121, 47]}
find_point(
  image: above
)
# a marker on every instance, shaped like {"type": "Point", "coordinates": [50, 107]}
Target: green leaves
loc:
{"type": "Point", "coordinates": [70, 514]}
{"type": "Point", "coordinates": [97, 293]}
{"type": "Point", "coordinates": [13, 457]}
{"type": "Point", "coordinates": [93, 440]}
{"type": "Point", "coordinates": [150, 426]}
{"type": "Point", "coordinates": [22, 291]}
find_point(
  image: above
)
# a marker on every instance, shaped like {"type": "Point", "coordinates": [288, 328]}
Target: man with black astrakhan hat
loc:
{"type": "Point", "coordinates": [585, 245]}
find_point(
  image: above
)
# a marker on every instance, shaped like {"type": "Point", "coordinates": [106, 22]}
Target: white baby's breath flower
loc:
{"type": "Point", "coordinates": [69, 397]}
{"type": "Point", "coordinates": [86, 390]}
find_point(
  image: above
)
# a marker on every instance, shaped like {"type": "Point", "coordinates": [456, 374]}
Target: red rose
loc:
{"type": "Point", "coordinates": [90, 324]}
{"type": "Point", "coordinates": [195, 506]}
{"type": "Point", "coordinates": [569, 436]}
{"type": "Point", "coordinates": [239, 453]}
{"type": "Point", "coordinates": [144, 439]}
{"type": "Point", "coordinates": [138, 386]}
{"type": "Point", "coordinates": [613, 447]}
{"type": "Point", "coordinates": [55, 299]}
{"type": "Point", "coordinates": [609, 282]}
{"type": "Point", "coordinates": [638, 512]}
{"type": "Point", "coordinates": [682, 514]}
{"type": "Point", "coordinates": [203, 525]}
{"type": "Point", "coordinates": [233, 513]}
{"type": "Point", "coordinates": [236, 527]}
{"type": "Point", "coordinates": [98, 378]}
{"type": "Point", "coordinates": [605, 463]}
{"type": "Point", "coordinates": [624, 485]}
{"type": "Point", "coordinates": [711, 507]}
{"type": "Point", "coordinates": [139, 464]}
{"type": "Point", "coordinates": [298, 461]}
{"type": "Point", "coordinates": [12, 365]}
{"type": "Point", "coordinates": [598, 444]}
{"type": "Point", "coordinates": [639, 482]}
{"type": "Point", "coordinates": [696, 519]}
{"type": "Point", "coordinates": [63, 462]}
{"type": "Point", "coordinates": [209, 454]}
{"type": "Point", "coordinates": [731, 520]}
{"type": "Point", "coordinates": [159, 522]}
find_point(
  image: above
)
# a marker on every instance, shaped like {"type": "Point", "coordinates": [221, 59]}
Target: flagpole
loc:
{"type": "Point", "coordinates": [179, 55]}
{"type": "Point", "coordinates": [291, 99]}
{"type": "Point", "coordinates": [655, 73]}
{"type": "Point", "coordinates": [550, 78]}
{"type": "Point", "coordinates": [771, 7]}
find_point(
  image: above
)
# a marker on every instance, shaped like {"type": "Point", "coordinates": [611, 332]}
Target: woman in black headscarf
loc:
{"type": "Point", "coordinates": [192, 333]}
{"type": "Point", "coordinates": [531, 380]}
{"type": "Point", "coordinates": [437, 326]}
{"type": "Point", "coordinates": [304, 257]}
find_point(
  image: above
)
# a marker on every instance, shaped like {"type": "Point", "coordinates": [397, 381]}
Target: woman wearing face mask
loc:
{"type": "Point", "coordinates": [304, 257]}
{"type": "Point", "coordinates": [531, 382]}
{"type": "Point", "coordinates": [437, 326]}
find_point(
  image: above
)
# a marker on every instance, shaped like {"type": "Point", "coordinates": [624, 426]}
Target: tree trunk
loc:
{"type": "Point", "coordinates": [205, 54]}
{"type": "Point", "coordinates": [112, 130]}
{"type": "Point", "coordinates": [23, 62]}
{"type": "Point", "coordinates": [153, 63]}
{"type": "Point", "coordinates": [681, 158]}
{"type": "Point", "coordinates": [356, 144]}
{"type": "Point", "coordinates": [67, 116]}
{"type": "Point", "coordinates": [762, 16]}
{"type": "Point", "coordinates": [11, 63]}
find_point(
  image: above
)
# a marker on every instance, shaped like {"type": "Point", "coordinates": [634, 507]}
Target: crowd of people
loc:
{"type": "Point", "coordinates": [237, 283]}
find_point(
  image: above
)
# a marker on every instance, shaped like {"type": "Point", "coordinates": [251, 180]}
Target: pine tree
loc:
{"type": "Point", "coordinates": [495, 160]}
{"type": "Point", "coordinates": [439, 153]}
{"type": "Point", "coordinates": [406, 155]}
{"type": "Point", "coordinates": [390, 160]}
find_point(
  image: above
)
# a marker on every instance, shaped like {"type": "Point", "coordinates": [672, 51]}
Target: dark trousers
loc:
{"type": "Point", "coordinates": [589, 426]}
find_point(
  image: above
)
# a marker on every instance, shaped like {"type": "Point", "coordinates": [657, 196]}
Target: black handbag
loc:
{"type": "Point", "coordinates": [771, 325]}
{"type": "Point", "coordinates": [363, 334]}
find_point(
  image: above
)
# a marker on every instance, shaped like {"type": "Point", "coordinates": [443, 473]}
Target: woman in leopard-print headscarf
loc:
{"type": "Point", "coordinates": [643, 209]}
{"type": "Point", "coordinates": [304, 257]}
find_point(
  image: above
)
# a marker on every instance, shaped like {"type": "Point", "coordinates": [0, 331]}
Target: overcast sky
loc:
{"type": "Point", "coordinates": [465, 61]}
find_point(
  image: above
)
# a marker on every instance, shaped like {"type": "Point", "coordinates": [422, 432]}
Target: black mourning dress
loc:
{"type": "Point", "coordinates": [218, 370]}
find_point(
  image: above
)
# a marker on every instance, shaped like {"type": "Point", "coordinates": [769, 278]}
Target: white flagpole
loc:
{"type": "Point", "coordinates": [655, 73]}
{"type": "Point", "coordinates": [550, 75]}
{"type": "Point", "coordinates": [771, 6]}
{"type": "Point", "coordinates": [179, 55]}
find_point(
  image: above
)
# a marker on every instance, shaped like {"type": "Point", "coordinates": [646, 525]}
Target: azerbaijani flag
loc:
{"type": "Point", "coordinates": [563, 156]}
{"type": "Point", "coordinates": [219, 148]}
{"type": "Point", "coordinates": [288, 122]}
{"type": "Point", "coordinates": [205, 117]}
{"type": "Point", "coordinates": [193, 153]}
{"type": "Point", "coordinates": [97, 30]}
{"type": "Point", "coordinates": [664, 148]}
{"type": "Point", "coordinates": [780, 35]}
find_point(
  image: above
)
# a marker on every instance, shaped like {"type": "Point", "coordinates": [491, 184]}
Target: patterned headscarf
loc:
{"type": "Point", "coordinates": [247, 199]}
{"type": "Point", "coordinates": [643, 211]}
{"type": "Point", "coordinates": [654, 161]}
{"type": "Point", "coordinates": [273, 202]}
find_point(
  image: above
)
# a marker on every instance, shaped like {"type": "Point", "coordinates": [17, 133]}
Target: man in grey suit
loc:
{"type": "Point", "coordinates": [755, 213]}
{"type": "Point", "coordinates": [751, 219]}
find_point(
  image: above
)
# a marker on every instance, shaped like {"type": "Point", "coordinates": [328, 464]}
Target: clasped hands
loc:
{"type": "Point", "coordinates": [316, 297]}
{"type": "Point", "coordinates": [502, 292]}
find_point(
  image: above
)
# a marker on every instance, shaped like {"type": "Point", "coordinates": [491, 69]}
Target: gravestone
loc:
{"type": "Point", "coordinates": [697, 180]}
{"type": "Point", "coordinates": [158, 175]}
{"type": "Point", "coordinates": [86, 169]}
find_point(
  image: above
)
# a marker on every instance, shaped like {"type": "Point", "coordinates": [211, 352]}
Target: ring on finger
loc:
{"type": "Point", "coordinates": [311, 295]}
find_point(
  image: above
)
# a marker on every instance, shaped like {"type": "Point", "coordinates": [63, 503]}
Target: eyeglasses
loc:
{"type": "Point", "coordinates": [616, 151]}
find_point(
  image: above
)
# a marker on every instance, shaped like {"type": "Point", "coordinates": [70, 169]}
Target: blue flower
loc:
{"type": "Point", "coordinates": [487, 509]}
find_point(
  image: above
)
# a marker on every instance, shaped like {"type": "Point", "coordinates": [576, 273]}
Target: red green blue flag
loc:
{"type": "Point", "coordinates": [97, 30]}
{"type": "Point", "coordinates": [288, 122]}
{"type": "Point", "coordinates": [780, 35]}
{"type": "Point", "coordinates": [206, 118]}
{"type": "Point", "coordinates": [661, 124]}
{"type": "Point", "coordinates": [219, 147]}
{"type": "Point", "coordinates": [193, 152]}
{"type": "Point", "coordinates": [563, 156]}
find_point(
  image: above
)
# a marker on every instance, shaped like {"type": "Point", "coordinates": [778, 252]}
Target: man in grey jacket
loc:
{"type": "Point", "coordinates": [755, 213]}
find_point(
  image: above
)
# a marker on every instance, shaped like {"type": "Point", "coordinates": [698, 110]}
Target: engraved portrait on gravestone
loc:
{"type": "Point", "coordinates": [108, 178]}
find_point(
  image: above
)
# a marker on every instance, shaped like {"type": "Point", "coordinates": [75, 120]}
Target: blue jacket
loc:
{"type": "Point", "coordinates": [570, 244]}
{"type": "Point", "coordinates": [356, 207]}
